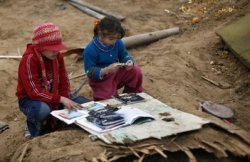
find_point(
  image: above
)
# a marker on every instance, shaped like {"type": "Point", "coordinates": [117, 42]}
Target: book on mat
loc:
{"type": "Point", "coordinates": [92, 105]}
{"type": "Point", "coordinates": [128, 98]}
{"type": "Point", "coordinates": [129, 116]}
{"type": "Point", "coordinates": [134, 115]}
{"type": "Point", "coordinates": [69, 117]}
{"type": "Point", "coordinates": [70, 114]}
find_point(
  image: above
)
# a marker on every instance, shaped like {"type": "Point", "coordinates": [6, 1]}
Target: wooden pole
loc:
{"type": "Point", "coordinates": [87, 10]}
{"type": "Point", "coordinates": [97, 9]}
{"type": "Point", "coordinates": [146, 38]}
{"type": "Point", "coordinates": [10, 57]}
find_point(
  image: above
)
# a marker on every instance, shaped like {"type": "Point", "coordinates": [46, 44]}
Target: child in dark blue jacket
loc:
{"type": "Point", "coordinates": [107, 63]}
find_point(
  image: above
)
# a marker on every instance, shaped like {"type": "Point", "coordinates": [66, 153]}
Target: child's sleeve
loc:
{"type": "Point", "coordinates": [123, 53]}
{"type": "Point", "coordinates": [90, 64]}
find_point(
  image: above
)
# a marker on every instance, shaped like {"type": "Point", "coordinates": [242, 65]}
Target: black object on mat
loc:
{"type": "Point", "coordinates": [128, 98]}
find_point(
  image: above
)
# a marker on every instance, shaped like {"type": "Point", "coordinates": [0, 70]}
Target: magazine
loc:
{"type": "Point", "coordinates": [70, 114]}
{"type": "Point", "coordinates": [128, 98]}
{"type": "Point", "coordinates": [130, 116]}
{"type": "Point", "coordinates": [92, 105]}
{"type": "Point", "coordinates": [69, 117]}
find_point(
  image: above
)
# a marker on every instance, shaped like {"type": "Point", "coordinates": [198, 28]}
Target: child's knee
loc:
{"type": "Point", "coordinates": [137, 71]}
{"type": "Point", "coordinates": [44, 112]}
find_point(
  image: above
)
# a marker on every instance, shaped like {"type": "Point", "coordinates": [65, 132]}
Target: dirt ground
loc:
{"type": "Point", "coordinates": [172, 66]}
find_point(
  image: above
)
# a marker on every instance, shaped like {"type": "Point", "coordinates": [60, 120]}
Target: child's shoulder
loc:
{"type": "Point", "coordinates": [119, 42]}
{"type": "Point", "coordinates": [30, 57]}
{"type": "Point", "coordinates": [91, 47]}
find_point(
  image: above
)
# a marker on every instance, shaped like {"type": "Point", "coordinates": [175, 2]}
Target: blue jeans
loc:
{"type": "Point", "coordinates": [37, 113]}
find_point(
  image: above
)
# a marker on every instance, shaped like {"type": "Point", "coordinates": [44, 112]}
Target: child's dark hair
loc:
{"type": "Point", "coordinates": [109, 24]}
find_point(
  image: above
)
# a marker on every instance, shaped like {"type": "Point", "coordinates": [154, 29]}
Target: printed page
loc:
{"type": "Point", "coordinates": [92, 105]}
{"type": "Point", "coordinates": [66, 117]}
{"type": "Point", "coordinates": [131, 114]}
{"type": "Point", "coordinates": [88, 126]}
{"type": "Point", "coordinates": [70, 114]}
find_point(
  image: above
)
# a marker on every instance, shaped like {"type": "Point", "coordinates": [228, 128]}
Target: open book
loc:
{"type": "Point", "coordinates": [134, 115]}
{"type": "Point", "coordinates": [130, 115]}
{"type": "Point", "coordinates": [69, 117]}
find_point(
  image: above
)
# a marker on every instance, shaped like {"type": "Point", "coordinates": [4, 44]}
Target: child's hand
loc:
{"type": "Point", "coordinates": [111, 69]}
{"type": "Point", "coordinates": [69, 104]}
{"type": "Point", "coordinates": [129, 65]}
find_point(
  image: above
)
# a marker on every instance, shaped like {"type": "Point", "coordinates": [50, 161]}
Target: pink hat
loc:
{"type": "Point", "coordinates": [47, 36]}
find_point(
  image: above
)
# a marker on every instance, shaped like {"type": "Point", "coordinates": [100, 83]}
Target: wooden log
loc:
{"type": "Point", "coordinates": [146, 38]}
{"type": "Point", "coordinates": [97, 9]}
{"type": "Point", "coordinates": [87, 10]}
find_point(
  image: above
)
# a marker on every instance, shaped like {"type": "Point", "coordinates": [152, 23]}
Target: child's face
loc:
{"type": "Point", "coordinates": [109, 39]}
{"type": "Point", "coordinates": [50, 54]}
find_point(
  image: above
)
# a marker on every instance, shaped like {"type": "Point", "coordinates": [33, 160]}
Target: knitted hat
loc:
{"type": "Point", "coordinates": [47, 36]}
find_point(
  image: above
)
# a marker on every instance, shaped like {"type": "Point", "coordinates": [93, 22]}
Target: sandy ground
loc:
{"type": "Point", "coordinates": [172, 67]}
